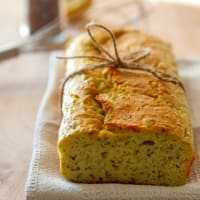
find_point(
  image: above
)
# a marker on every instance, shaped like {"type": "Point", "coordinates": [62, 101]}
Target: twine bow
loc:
{"type": "Point", "coordinates": [116, 61]}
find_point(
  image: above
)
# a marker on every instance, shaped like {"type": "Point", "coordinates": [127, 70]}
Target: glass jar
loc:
{"type": "Point", "coordinates": [38, 13]}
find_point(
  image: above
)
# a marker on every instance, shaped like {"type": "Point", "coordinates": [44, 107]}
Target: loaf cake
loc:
{"type": "Point", "coordinates": [124, 126]}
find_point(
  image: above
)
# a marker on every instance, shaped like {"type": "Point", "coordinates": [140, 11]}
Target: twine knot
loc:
{"type": "Point", "coordinates": [116, 61]}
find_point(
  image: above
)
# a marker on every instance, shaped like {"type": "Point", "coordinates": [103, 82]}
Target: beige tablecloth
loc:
{"type": "Point", "coordinates": [46, 183]}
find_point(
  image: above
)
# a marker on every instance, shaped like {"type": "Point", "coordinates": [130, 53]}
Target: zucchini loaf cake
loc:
{"type": "Point", "coordinates": [120, 125]}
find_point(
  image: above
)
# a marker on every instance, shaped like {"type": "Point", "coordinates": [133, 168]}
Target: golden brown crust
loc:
{"type": "Point", "coordinates": [140, 101]}
{"type": "Point", "coordinates": [147, 103]}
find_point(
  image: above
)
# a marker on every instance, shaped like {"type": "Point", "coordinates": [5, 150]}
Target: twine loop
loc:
{"type": "Point", "coordinates": [116, 61]}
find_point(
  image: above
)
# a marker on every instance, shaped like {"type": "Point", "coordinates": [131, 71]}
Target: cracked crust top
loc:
{"type": "Point", "coordinates": [110, 98]}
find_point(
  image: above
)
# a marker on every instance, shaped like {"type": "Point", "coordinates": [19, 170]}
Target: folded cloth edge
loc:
{"type": "Point", "coordinates": [51, 86]}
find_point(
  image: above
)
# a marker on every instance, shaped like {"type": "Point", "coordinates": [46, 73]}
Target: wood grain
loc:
{"type": "Point", "coordinates": [22, 83]}
{"type": "Point", "coordinates": [23, 80]}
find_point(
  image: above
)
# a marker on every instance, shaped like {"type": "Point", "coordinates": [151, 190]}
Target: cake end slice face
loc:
{"type": "Point", "coordinates": [125, 157]}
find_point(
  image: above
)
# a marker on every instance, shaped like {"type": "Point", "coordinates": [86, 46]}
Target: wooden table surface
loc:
{"type": "Point", "coordinates": [23, 80]}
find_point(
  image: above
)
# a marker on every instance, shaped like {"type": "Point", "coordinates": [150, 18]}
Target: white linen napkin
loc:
{"type": "Point", "coordinates": [45, 181]}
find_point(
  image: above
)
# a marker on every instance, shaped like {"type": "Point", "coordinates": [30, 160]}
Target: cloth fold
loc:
{"type": "Point", "coordinates": [45, 181]}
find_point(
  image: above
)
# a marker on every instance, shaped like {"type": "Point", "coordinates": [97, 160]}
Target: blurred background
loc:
{"type": "Point", "coordinates": [23, 77]}
{"type": "Point", "coordinates": [16, 17]}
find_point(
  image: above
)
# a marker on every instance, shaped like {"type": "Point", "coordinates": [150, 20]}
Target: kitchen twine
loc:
{"type": "Point", "coordinates": [115, 61]}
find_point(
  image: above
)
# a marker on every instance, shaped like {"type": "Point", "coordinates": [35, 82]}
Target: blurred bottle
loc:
{"type": "Point", "coordinates": [38, 13]}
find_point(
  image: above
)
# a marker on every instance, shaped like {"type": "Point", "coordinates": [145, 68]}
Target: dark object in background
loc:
{"type": "Point", "coordinates": [40, 13]}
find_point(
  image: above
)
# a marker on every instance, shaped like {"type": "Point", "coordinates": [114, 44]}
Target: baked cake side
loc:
{"type": "Point", "coordinates": [124, 126]}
